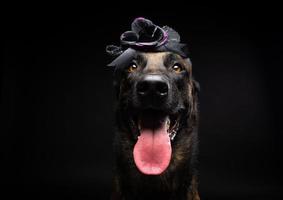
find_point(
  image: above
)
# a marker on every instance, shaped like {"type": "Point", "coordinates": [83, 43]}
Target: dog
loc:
{"type": "Point", "coordinates": [156, 139]}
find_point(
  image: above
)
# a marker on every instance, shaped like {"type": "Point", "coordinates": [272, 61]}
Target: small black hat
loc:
{"type": "Point", "coordinates": [145, 37]}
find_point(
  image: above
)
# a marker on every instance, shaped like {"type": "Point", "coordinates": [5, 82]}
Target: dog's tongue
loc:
{"type": "Point", "coordinates": [152, 152]}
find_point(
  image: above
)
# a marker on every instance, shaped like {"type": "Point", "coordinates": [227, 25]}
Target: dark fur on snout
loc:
{"type": "Point", "coordinates": [179, 181]}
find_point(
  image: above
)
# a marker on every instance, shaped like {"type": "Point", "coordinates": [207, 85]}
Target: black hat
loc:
{"type": "Point", "coordinates": [145, 37]}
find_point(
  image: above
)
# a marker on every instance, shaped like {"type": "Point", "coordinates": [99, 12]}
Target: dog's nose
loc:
{"type": "Point", "coordinates": [152, 85]}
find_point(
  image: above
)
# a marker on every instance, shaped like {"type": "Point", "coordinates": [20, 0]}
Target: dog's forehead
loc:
{"type": "Point", "coordinates": [154, 60]}
{"type": "Point", "coordinates": [158, 57]}
{"type": "Point", "coordinates": [155, 57]}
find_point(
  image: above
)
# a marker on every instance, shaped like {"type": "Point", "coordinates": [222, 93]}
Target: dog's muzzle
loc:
{"type": "Point", "coordinates": [152, 90]}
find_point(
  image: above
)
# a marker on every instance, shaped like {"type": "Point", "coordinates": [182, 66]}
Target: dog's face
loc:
{"type": "Point", "coordinates": [156, 93]}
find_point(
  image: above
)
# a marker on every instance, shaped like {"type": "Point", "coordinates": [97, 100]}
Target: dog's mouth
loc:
{"type": "Point", "coordinates": [152, 151]}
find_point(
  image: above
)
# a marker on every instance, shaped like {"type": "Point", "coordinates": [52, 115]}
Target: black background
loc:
{"type": "Point", "coordinates": [57, 98]}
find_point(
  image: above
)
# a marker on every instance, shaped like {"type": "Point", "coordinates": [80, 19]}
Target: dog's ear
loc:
{"type": "Point", "coordinates": [196, 86]}
{"type": "Point", "coordinates": [193, 99]}
{"type": "Point", "coordinates": [194, 92]}
{"type": "Point", "coordinates": [188, 60]}
{"type": "Point", "coordinates": [117, 82]}
{"type": "Point", "coordinates": [188, 63]}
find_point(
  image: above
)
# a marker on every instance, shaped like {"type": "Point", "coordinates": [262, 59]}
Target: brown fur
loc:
{"type": "Point", "coordinates": [179, 181]}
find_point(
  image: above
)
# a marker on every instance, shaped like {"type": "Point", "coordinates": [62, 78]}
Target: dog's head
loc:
{"type": "Point", "coordinates": [156, 98]}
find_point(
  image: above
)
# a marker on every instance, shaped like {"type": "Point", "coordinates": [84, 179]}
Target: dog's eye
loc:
{"type": "Point", "coordinates": [132, 67]}
{"type": "Point", "coordinates": [177, 67]}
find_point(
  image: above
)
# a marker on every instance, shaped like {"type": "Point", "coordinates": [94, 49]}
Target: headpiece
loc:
{"type": "Point", "coordinates": [145, 37]}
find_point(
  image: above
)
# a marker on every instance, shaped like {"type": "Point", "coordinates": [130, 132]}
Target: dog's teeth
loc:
{"type": "Point", "coordinates": [139, 125]}
{"type": "Point", "coordinates": [167, 124]}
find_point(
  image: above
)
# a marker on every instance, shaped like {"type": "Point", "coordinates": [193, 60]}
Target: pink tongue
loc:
{"type": "Point", "coordinates": [152, 152]}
